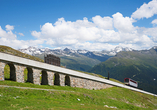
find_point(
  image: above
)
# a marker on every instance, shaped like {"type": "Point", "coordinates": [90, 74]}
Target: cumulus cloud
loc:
{"type": "Point", "coordinates": [7, 34]}
{"type": "Point", "coordinates": [146, 10]}
{"type": "Point", "coordinates": [21, 34]}
{"type": "Point", "coordinates": [105, 22]}
{"type": "Point", "coordinates": [9, 27]}
{"type": "Point", "coordinates": [96, 34]}
{"type": "Point", "coordinates": [123, 23]}
{"type": "Point", "coordinates": [154, 21]}
{"type": "Point", "coordinates": [8, 38]}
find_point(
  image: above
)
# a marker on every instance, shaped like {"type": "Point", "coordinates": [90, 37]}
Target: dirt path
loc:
{"type": "Point", "coordinates": [35, 88]}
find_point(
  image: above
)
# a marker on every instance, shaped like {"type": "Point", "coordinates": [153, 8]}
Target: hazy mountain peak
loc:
{"type": "Point", "coordinates": [155, 47]}
{"type": "Point", "coordinates": [67, 49]}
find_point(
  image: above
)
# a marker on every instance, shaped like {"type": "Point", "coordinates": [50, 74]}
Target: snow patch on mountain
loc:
{"type": "Point", "coordinates": [70, 52]}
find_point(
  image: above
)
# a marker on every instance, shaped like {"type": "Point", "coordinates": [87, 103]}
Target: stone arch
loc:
{"type": "Point", "coordinates": [44, 78]}
{"type": "Point", "coordinates": [29, 75]}
{"type": "Point", "coordinates": [57, 79]}
{"type": "Point", "coordinates": [12, 72]}
{"type": "Point", "coordinates": [67, 80]}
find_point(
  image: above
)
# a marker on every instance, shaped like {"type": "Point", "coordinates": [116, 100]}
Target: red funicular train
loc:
{"type": "Point", "coordinates": [130, 82]}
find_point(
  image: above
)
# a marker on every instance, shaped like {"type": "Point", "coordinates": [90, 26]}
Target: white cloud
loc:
{"type": "Point", "coordinates": [21, 34]}
{"type": "Point", "coordinates": [9, 27]}
{"type": "Point", "coordinates": [121, 23]}
{"type": "Point", "coordinates": [105, 22]}
{"type": "Point", "coordinates": [151, 32]}
{"type": "Point", "coordinates": [146, 10]}
{"type": "Point", "coordinates": [98, 34]}
{"type": "Point", "coordinates": [7, 34]}
{"type": "Point", "coordinates": [154, 21]}
{"type": "Point", "coordinates": [8, 38]}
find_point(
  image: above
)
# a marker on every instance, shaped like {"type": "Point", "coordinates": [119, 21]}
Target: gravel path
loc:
{"type": "Point", "coordinates": [34, 88]}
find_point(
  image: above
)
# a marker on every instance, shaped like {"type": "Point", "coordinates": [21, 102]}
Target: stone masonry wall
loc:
{"type": "Point", "coordinates": [62, 79]}
{"type": "Point", "coordinates": [36, 76]}
{"type": "Point", "coordinates": [2, 65]}
{"type": "Point", "coordinates": [50, 76]}
{"type": "Point", "coordinates": [19, 69]}
{"type": "Point", "coordinates": [88, 84]}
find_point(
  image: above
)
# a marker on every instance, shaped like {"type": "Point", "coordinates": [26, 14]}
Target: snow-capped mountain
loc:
{"type": "Point", "coordinates": [32, 50]}
{"type": "Point", "coordinates": [69, 52]}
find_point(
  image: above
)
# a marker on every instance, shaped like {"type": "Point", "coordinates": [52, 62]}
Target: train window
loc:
{"type": "Point", "coordinates": [133, 81]}
{"type": "Point", "coordinates": [126, 80]}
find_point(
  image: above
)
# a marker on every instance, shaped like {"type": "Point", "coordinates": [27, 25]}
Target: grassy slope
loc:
{"type": "Point", "coordinates": [141, 67]}
{"type": "Point", "coordinates": [12, 98]}
{"type": "Point", "coordinates": [12, 51]}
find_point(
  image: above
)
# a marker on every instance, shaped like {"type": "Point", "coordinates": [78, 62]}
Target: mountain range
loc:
{"type": "Point", "coordinates": [82, 60]}
{"type": "Point", "coordinates": [67, 52]}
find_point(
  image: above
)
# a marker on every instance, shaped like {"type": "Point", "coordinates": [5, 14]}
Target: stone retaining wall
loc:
{"type": "Point", "coordinates": [86, 83]}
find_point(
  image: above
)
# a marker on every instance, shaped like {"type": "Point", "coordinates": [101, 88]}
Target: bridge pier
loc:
{"type": "Point", "coordinates": [2, 65]}
{"type": "Point", "coordinates": [36, 76]}
{"type": "Point", "coordinates": [50, 76]}
{"type": "Point", "coordinates": [19, 72]}
{"type": "Point", "coordinates": [62, 79]}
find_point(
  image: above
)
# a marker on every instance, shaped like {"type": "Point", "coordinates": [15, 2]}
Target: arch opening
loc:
{"type": "Point", "coordinates": [67, 80]}
{"type": "Point", "coordinates": [28, 75]}
{"type": "Point", "coordinates": [56, 79]}
{"type": "Point", "coordinates": [44, 78]}
{"type": "Point", "coordinates": [9, 72]}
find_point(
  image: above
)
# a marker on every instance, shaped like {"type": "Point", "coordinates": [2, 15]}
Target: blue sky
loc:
{"type": "Point", "coordinates": [78, 24]}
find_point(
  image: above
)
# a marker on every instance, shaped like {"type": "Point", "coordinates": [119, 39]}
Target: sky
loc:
{"type": "Point", "coordinates": [78, 24]}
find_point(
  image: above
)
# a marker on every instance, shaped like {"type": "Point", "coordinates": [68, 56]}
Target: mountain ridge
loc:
{"type": "Point", "coordinates": [69, 52]}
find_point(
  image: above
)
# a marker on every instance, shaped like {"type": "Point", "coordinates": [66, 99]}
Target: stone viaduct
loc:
{"type": "Point", "coordinates": [46, 74]}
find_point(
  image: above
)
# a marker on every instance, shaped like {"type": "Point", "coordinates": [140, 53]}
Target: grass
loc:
{"type": "Point", "coordinates": [12, 51]}
{"type": "Point", "coordinates": [82, 99]}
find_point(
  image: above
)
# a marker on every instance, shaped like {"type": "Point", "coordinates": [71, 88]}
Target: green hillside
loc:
{"type": "Point", "coordinates": [69, 98]}
{"type": "Point", "coordinates": [76, 61]}
{"type": "Point", "coordinates": [9, 50]}
{"type": "Point", "coordinates": [138, 65]}
{"type": "Point", "coordinates": [80, 62]}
